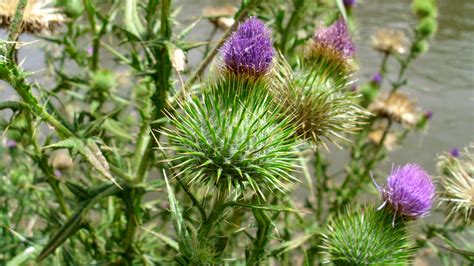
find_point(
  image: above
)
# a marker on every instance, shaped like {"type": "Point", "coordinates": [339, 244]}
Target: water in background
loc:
{"type": "Point", "coordinates": [441, 80]}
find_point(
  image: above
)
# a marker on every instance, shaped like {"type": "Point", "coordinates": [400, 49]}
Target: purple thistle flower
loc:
{"type": "Point", "coordinates": [455, 152]}
{"type": "Point", "coordinates": [377, 79]}
{"type": "Point", "coordinates": [249, 50]}
{"type": "Point", "coordinates": [428, 115]}
{"type": "Point", "coordinates": [349, 3]}
{"type": "Point", "coordinates": [11, 144]}
{"type": "Point", "coordinates": [409, 191]}
{"type": "Point", "coordinates": [336, 37]}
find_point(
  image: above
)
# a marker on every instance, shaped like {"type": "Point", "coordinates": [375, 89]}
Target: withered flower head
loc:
{"type": "Point", "coordinates": [221, 16]}
{"type": "Point", "coordinates": [39, 15]}
{"type": "Point", "coordinates": [457, 182]}
{"type": "Point", "coordinates": [390, 41]}
{"type": "Point", "coordinates": [398, 107]}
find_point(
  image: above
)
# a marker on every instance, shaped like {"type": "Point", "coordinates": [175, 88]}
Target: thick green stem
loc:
{"type": "Point", "coordinates": [262, 238]}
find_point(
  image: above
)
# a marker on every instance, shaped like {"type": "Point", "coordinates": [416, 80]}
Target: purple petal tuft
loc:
{"type": "Point", "coordinates": [455, 152]}
{"type": "Point", "coordinates": [249, 50]}
{"type": "Point", "coordinates": [336, 37]}
{"type": "Point", "coordinates": [349, 3]}
{"type": "Point", "coordinates": [409, 190]}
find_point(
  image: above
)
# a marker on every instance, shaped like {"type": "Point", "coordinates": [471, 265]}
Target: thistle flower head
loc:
{"type": "Point", "coordinates": [319, 103]}
{"type": "Point", "coordinates": [349, 3]}
{"type": "Point", "coordinates": [335, 37]}
{"type": "Point", "coordinates": [457, 182]}
{"type": "Point", "coordinates": [223, 141]}
{"type": "Point", "coordinates": [396, 106]}
{"type": "Point", "coordinates": [11, 144]}
{"type": "Point", "coordinates": [428, 115]}
{"type": "Point", "coordinates": [249, 50]}
{"type": "Point", "coordinates": [365, 236]}
{"type": "Point", "coordinates": [455, 152]}
{"type": "Point", "coordinates": [39, 15]}
{"type": "Point", "coordinates": [332, 49]}
{"type": "Point", "coordinates": [377, 79]}
{"type": "Point", "coordinates": [390, 41]}
{"type": "Point", "coordinates": [409, 191]}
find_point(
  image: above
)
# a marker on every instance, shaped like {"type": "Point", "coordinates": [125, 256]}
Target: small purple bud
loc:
{"type": "Point", "coordinates": [353, 88]}
{"type": "Point", "coordinates": [377, 79]}
{"type": "Point", "coordinates": [455, 152]}
{"type": "Point", "coordinates": [249, 50]}
{"type": "Point", "coordinates": [90, 51]}
{"type": "Point", "coordinates": [336, 37]}
{"type": "Point", "coordinates": [11, 144]}
{"type": "Point", "coordinates": [410, 191]}
{"type": "Point", "coordinates": [57, 173]}
{"type": "Point", "coordinates": [349, 3]}
{"type": "Point", "coordinates": [428, 115]}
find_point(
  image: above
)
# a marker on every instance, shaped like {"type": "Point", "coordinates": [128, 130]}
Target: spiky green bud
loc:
{"type": "Point", "coordinates": [427, 27]}
{"type": "Point", "coordinates": [103, 81]}
{"type": "Point", "coordinates": [420, 47]}
{"type": "Point", "coordinates": [226, 141]}
{"type": "Point", "coordinates": [366, 236]}
{"type": "Point", "coordinates": [424, 8]}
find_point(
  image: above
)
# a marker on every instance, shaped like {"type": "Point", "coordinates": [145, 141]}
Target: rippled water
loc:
{"type": "Point", "coordinates": [441, 80]}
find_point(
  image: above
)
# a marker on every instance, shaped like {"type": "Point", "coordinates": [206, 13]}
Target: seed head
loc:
{"type": "Point", "coordinates": [457, 182]}
{"type": "Point", "coordinates": [39, 15]}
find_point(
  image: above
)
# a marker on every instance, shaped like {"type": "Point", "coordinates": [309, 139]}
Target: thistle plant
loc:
{"type": "Point", "coordinates": [121, 152]}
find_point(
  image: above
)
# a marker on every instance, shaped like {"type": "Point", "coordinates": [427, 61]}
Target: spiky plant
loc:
{"type": "Point", "coordinates": [457, 184]}
{"type": "Point", "coordinates": [317, 99]}
{"type": "Point", "coordinates": [365, 236]}
{"type": "Point", "coordinates": [229, 142]}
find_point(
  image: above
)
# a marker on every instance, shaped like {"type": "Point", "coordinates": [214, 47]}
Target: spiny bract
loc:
{"type": "Point", "coordinates": [365, 236]}
{"type": "Point", "coordinates": [224, 140]}
{"type": "Point", "coordinates": [317, 100]}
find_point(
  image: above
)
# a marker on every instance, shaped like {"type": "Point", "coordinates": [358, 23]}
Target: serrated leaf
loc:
{"type": "Point", "coordinates": [94, 156]}
{"type": "Point", "coordinates": [170, 242]}
{"type": "Point", "coordinates": [71, 143]}
{"type": "Point", "coordinates": [290, 245]}
{"type": "Point", "coordinates": [27, 254]}
{"type": "Point", "coordinates": [74, 223]}
{"type": "Point", "coordinates": [116, 129]}
{"type": "Point", "coordinates": [188, 29]}
{"type": "Point", "coordinates": [78, 191]}
{"type": "Point", "coordinates": [175, 210]}
{"type": "Point", "coordinates": [266, 207]}
{"type": "Point", "coordinates": [132, 20]}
